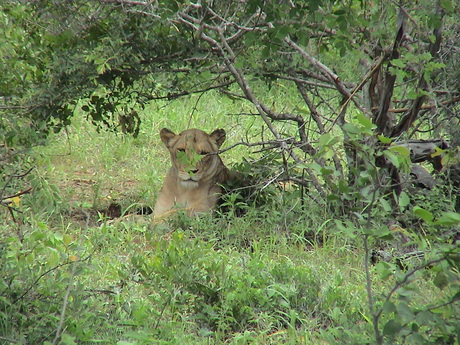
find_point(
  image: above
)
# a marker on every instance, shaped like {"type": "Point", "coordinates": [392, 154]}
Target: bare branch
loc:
{"type": "Point", "coordinates": [426, 106]}
{"type": "Point", "coordinates": [326, 71]}
{"type": "Point", "coordinates": [299, 80]}
{"type": "Point", "coordinates": [315, 115]}
{"type": "Point", "coordinates": [186, 93]}
{"type": "Point", "coordinates": [8, 199]}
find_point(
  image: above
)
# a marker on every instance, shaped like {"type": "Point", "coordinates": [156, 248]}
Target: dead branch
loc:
{"type": "Point", "coordinates": [129, 2]}
{"type": "Point", "coordinates": [65, 303]}
{"type": "Point", "coordinates": [267, 145]}
{"type": "Point", "coordinates": [10, 178]}
{"type": "Point", "coordinates": [368, 76]}
{"type": "Point", "coordinates": [172, 96]}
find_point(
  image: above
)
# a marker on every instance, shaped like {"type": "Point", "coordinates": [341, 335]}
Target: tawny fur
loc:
{"type": "Point", "coordinates": [192, 187]}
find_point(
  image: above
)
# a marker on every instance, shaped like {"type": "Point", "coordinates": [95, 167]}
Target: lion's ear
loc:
{"type": "Point", "coordinates": [218, 136]}
{"type": "Point", "coordinates": [166, 135]}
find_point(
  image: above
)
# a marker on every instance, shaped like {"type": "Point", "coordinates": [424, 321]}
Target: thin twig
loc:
{"type": "Point", "coordinates": [6, 199]}
{"type": "Point", "coordinates": [66, 301]}
{"type": "Point", "coordinates": [37, 280]}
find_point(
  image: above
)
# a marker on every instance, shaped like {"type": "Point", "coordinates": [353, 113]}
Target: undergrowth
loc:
{"type": "Point", "coordinates": [272, 266]}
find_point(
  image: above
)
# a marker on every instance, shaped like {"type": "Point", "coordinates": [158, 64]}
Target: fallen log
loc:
{"type": "Point", "coordinates": [425, 150]}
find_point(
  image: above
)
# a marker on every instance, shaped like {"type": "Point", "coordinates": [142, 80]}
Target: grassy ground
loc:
{"type": "Point", "coordinates": [276, 275]}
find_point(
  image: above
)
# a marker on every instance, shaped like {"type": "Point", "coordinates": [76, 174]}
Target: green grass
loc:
{"type": "Point", "coordinates": [277, 275]}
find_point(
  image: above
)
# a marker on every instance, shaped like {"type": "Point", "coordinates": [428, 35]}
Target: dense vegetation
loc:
{"type": "Point", "coordinates": [338, 232]}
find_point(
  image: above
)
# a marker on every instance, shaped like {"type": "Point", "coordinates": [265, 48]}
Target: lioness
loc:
{"type": "Point", "coordinates": [195, 174]}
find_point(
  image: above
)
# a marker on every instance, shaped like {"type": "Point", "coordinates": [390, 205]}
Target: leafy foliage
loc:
{"type": "Point", "coordinates": [338, 90]}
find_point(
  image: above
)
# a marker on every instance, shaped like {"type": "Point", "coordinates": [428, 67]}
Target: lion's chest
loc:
{"type": "Point", "coordinates": [198, 198]}
{"type": "Point", "coordinates": [190, 196]}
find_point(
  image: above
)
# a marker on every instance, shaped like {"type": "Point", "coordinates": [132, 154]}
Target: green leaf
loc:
{"type": "Point", "coordinates": [325, 171]}
{"type": "Point", "coordinates": [67, 239]}
{"type": "Point", "coordinates": [398, 63]}
{"type": "Point", "coordinates": [424, 317]}
{"type": "Point", "coordinates": [392, 158]}
{"type": "Point", "coordinates": [456, 297]}
{"type": "Point", "coordinates": [403, 200]}
{"type": "Point", "coordinates": [86, 204]}
{"type": "Point", "coordinates": [384, 139]}
{"type": "Point", "coordinates": [411, 94]}
{"type": "Point", "coordinates": [402, 150]}
{"type": "Point", "coordinates": [392, 328]}
{"type": "Point", "coordinates": [427, 216]}
{"type": "Point", "coordinates": [440, 281]}
{"type": "Point", "coordinates": [389, 307]}
{"type": "Point", "coordinates": [37, 236]}
{"type": "Point", "coordinates": [448, 5]}
{"type": "Point", "coordinates": [67, 340]}
{"type": "Point", "coordinates": [385, 269]}
{"type": "Point", "coordinates": [314, 166]}
{"type": "Point", "coordinates": [351, 128]}
{"type": "Point", "coordinates": [405, 312]}
{"type": "Point", "coordinates": [332, 197]}
{"type": "Point", "coordinates": [448, 219]}
{"type": "Point", "coordinates": [344, 187]}
{"type": "Point", "coordinates": [239, 64]}
{"type": "Point", "coordinates": [386, 205]}
{"type": "Point", "coordinates": [415, 337]}
{"type": "Point", "coordinates": [365, 121]}
{"type": "Point", "coordinates": [327, 139]}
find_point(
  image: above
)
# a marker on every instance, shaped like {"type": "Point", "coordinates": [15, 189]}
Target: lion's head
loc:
{"type": "Point", "coordinates": [194, 154]}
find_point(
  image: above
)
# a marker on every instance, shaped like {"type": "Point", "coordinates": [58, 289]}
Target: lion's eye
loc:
{"type": "Point", "coordinates": [204, 153]}
{"type": "Point", "coordinates": [180, 150]}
